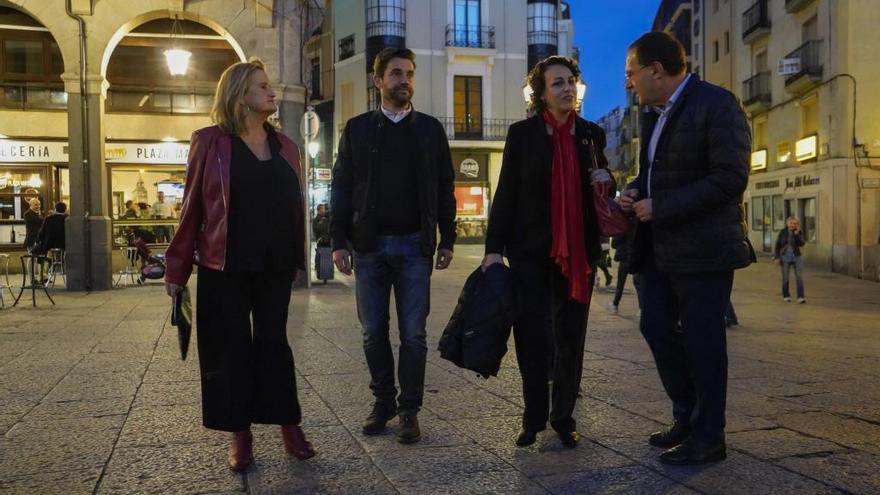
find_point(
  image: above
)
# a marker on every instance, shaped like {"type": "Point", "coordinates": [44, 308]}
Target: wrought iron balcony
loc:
{"type": "Point", "coordinates": [756, 91]}
{"type": "Point", "coordinates": [809, 67]}
{"type": "Point", "coordinates": [470, 36]}
{"type": "Point", "coordinates": [476, 129]}
{"type": "Point", "coordinates": [756, 22]}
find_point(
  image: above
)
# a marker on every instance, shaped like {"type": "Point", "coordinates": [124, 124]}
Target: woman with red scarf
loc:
{"type": "Point", "coordinates": [542, 220]}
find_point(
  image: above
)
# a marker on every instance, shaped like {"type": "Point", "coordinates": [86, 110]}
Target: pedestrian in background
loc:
{"type": "Point", "coordinates": [51, 234]}
{"type": "Point", "coordinates": [543, 220]}
{"type": "Point", "coordinates": [620, 244]}
{"type": "Point", "coordinates": [689, 239]}
{"type": "Point", "coordinates": [393, 187]}
{"type": "Point", "coordinates": [604, 261]}
{"type": "Point", "coordinates": [247, 261]}
{"type": "Point", "coordinates": [33, 220]}
{"type": "Point", "coordinates": [787, 254]}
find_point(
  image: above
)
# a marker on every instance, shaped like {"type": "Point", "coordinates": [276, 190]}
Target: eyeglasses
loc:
{"type": "Point", "coordinates": [629, 75]}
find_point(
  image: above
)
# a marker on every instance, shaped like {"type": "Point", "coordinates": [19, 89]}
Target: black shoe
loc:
{"type": "Point", "coordinates": [375, 422]}
{"type": "Point", "coordinates": [569, 439]}
{"type": "Point", "coordinates": [671, 437]}
{"type": "Point", "coordinates": [409, 429]}
{"type": "Point", "coordinates": [692, 451]}
{"type": "Point", "coordinates": [526, 438]}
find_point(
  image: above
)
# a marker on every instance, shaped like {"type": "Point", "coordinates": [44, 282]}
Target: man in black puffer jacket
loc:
{"type": "Point", "coordinates": [689, 239]}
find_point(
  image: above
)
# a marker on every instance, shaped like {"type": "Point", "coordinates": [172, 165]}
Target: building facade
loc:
{"type": "Point", "coordinates": [796, 65]}
{"type": "Point", "coordinates": [472, 58]}
{"type": "Point", "coordinates": [91, 115]}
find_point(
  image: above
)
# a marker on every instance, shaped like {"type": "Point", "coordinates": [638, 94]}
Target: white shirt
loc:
{"type": "Point", "coordinates": [396, 116]}
{"type": "Point", "coordinates": [658, 128]}
{"type": "Point", "coordinates": [162, 210]}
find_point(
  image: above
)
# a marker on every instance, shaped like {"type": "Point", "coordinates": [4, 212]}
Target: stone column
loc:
{"type": "Point", "coordinates": [88, 228]}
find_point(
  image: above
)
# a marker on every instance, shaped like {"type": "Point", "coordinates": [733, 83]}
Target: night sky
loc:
{"type": "Point", "coordinates": [603, 30]}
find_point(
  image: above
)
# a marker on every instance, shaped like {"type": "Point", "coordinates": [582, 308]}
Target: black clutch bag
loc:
{"type": "Point", "coordinates": [181, 317]}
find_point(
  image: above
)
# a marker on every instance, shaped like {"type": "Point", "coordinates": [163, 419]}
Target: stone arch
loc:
{"type": "Point", "coordinates": [136, 21]}
{"type": "Point", "coordinates": [46, 13]}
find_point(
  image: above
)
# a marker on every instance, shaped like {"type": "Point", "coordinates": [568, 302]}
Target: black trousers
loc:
{"type": "Point", "coordinates": [549, 333]}
{"type": "Point", "coordinates": [692, 363]}
{"type": "Point", "coordinates": [247, 370]}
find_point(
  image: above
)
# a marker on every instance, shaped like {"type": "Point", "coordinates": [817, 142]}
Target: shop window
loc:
{"type": "Point", "coordinates": [145, 216]}
{"type": "Point", "coordinates": [778, 213]}
{"type": "Point", "coordinates": [18, 185]}
{"type": "Point", "coordinates": [757, 211]}
{"type": "Point", "coordinates": [766, 219]}
{"type": "Point", "coordinates": [807, 214]}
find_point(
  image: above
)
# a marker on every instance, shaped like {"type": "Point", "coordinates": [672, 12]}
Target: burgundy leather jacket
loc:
{"type": "Point", "coordinates": [201, 233]}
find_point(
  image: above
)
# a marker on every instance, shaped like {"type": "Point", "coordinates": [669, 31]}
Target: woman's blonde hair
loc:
{"type": "Point", "coordinates": [229, 110]}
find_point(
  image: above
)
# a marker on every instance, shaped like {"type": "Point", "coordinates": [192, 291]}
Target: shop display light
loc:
{"type": "Point", "coordinates": [313, 148]}
{"type": "Point", "coordinates": [176, 57]}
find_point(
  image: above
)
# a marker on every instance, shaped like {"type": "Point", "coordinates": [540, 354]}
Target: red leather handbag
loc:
{"type": "Point", "coordinates": [609, 216]}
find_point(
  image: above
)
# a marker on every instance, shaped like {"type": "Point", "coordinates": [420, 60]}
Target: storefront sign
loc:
{"type": "Point", "coordinates": [769, 184]}
{"type": "Point", "coordinates": [150, 153]}
{"type": "Point", "coordinates": [471, 167]}
{"type": "Point", "coordinates": [322, 173]}
{"type": "Point", "coordinates": [801, 181]}
{"type": "Point", "coordinates": [33, 151]}
{"type": "Point", "coordinates": [871, 183]}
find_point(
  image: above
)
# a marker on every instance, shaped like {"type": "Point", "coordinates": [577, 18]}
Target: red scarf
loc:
{"type": "Point", "coordinates": [567, 210]}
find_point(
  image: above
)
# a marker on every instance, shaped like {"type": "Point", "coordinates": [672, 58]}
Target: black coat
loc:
{"type": "Point", "coordinates": [353, 189]}
{"type": "Point", "coordinates": [476, 336]}
{"type": "Point", "coordinates": [51, 234]}
{"type": "Point", "coordinates": [519, 222]}
{"type": "Point", "coordinates": [787, 237]}
{"type": "Point", "coordinates": [700, 171]}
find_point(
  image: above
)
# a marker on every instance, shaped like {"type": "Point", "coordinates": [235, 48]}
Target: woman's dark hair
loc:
{"type": "Point", "coordinates": [661, 47]}
{"type": "Point", "coordinates": [380, 63]}
{"type": "Point", "coordinates": [536, 79]}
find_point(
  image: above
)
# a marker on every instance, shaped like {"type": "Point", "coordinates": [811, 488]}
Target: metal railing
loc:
{"type": "Point", "coordinates": [386, 28]}
{"type": "Point", "coordinates": [542, 37]}
{"type": "Point", "coordinates": [476, 129]}
{"type": "Point", "coordinates": [33, 96]}
{"type": "Point", "coordinates": [810, 61]}
{"type": "Point", "coordinates": [470, 36]}
{"type": "Point", "coordinates": [165, 101]}
{"type": "Point", "coordinates": [756, 89]}
{"type": "Point", "coordinates": [756, 17]}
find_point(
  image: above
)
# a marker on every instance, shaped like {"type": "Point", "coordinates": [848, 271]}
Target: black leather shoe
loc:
{"type": "Point", "coordinates": [526, 438]}
{"type": "Point", "coordinates": [569, 439]}
{"type": "Point", "coordinates": [670, 437]}
{"type": "Point", "coordinates": [409, 429]}
{"type": "Point", "coordinates": [692, 451]}
{"type": "Point", "coordinates": [375, 422]}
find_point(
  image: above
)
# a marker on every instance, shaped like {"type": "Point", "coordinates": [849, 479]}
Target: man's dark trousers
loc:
{"type": "Point", "coordinates": [399, 264]}
{"type": "Point", "coordinates": [692, 363]}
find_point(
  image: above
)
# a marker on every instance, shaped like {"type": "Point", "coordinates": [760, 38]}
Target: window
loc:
{"type": "Point", "coordinates": [715, 51]}
{"type": "Point", "coordinates": [767, 238]}
{"type": "Point", "coordinates": [386, 18]}
{"type": "Point", "coordinates": [810, 116]}
{"type": "Point", "coordinates": [761, 62]}
{"type": "Point", "coordinates": [315, 87]}
{"type": "Point", "coordinates": [757, 211]}
{"type": "Point", "coordinates": [807, 214]}
{"type": "Point", "coordinates": [467, 22]}
{"type": "Point", "coordinates": [346, 47]}
{"type": "Point", "coordinates": [759, 140]}
{"type": "Point", "coordinates": [778, 213]}
{"type": "Point", "coordinates": [726, 42]}
{"type": "Point", "coordinates": [24, 56]}
{"type": "Point", "coordinates": [468, 106]}
{"type": "Point", "coordinates": [541, 24]}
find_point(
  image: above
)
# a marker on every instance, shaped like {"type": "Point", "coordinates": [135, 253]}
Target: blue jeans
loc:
{"type": "Point", "coordinates": [397, 263]}
{"type": "Point", "coordinates": [798, 265]}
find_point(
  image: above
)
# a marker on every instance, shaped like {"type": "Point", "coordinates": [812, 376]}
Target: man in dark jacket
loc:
{"type": "Point", "coordinates": [393, 186]}
{"type": "Point", "coordinates": [51, 234]}
{"type": "Point", "coordinates": [690, 237]}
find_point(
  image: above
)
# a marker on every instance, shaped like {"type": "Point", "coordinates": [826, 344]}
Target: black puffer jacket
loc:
{"type": "Point", "coordinates": [700, 171]}
{"type": "Point", "coordinates": [476, 336]}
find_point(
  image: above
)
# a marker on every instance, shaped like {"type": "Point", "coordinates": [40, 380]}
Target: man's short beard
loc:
{"type": "Point", "coordinates": [399, 98]}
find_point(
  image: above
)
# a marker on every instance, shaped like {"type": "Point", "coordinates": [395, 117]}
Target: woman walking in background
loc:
{"type": "Point", "coordinates": [787, 253]}
{"type": "Point", "coordinates": [543, 221]}
{"type": "Point", "coordinates": [247, 261]}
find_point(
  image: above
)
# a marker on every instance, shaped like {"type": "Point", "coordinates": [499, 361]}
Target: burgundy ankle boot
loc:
{"type": "Point", "coordinates": [295, 442]}
{"type": "Point", "coordinates": [241, 453]}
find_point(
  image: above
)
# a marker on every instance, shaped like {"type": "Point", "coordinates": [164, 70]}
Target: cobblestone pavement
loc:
{"type": "Point", "coordinates": [94, 399]}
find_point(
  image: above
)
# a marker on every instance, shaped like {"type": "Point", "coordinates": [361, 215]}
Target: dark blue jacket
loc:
{"type": "Point", "coordinates": [700, 171]}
